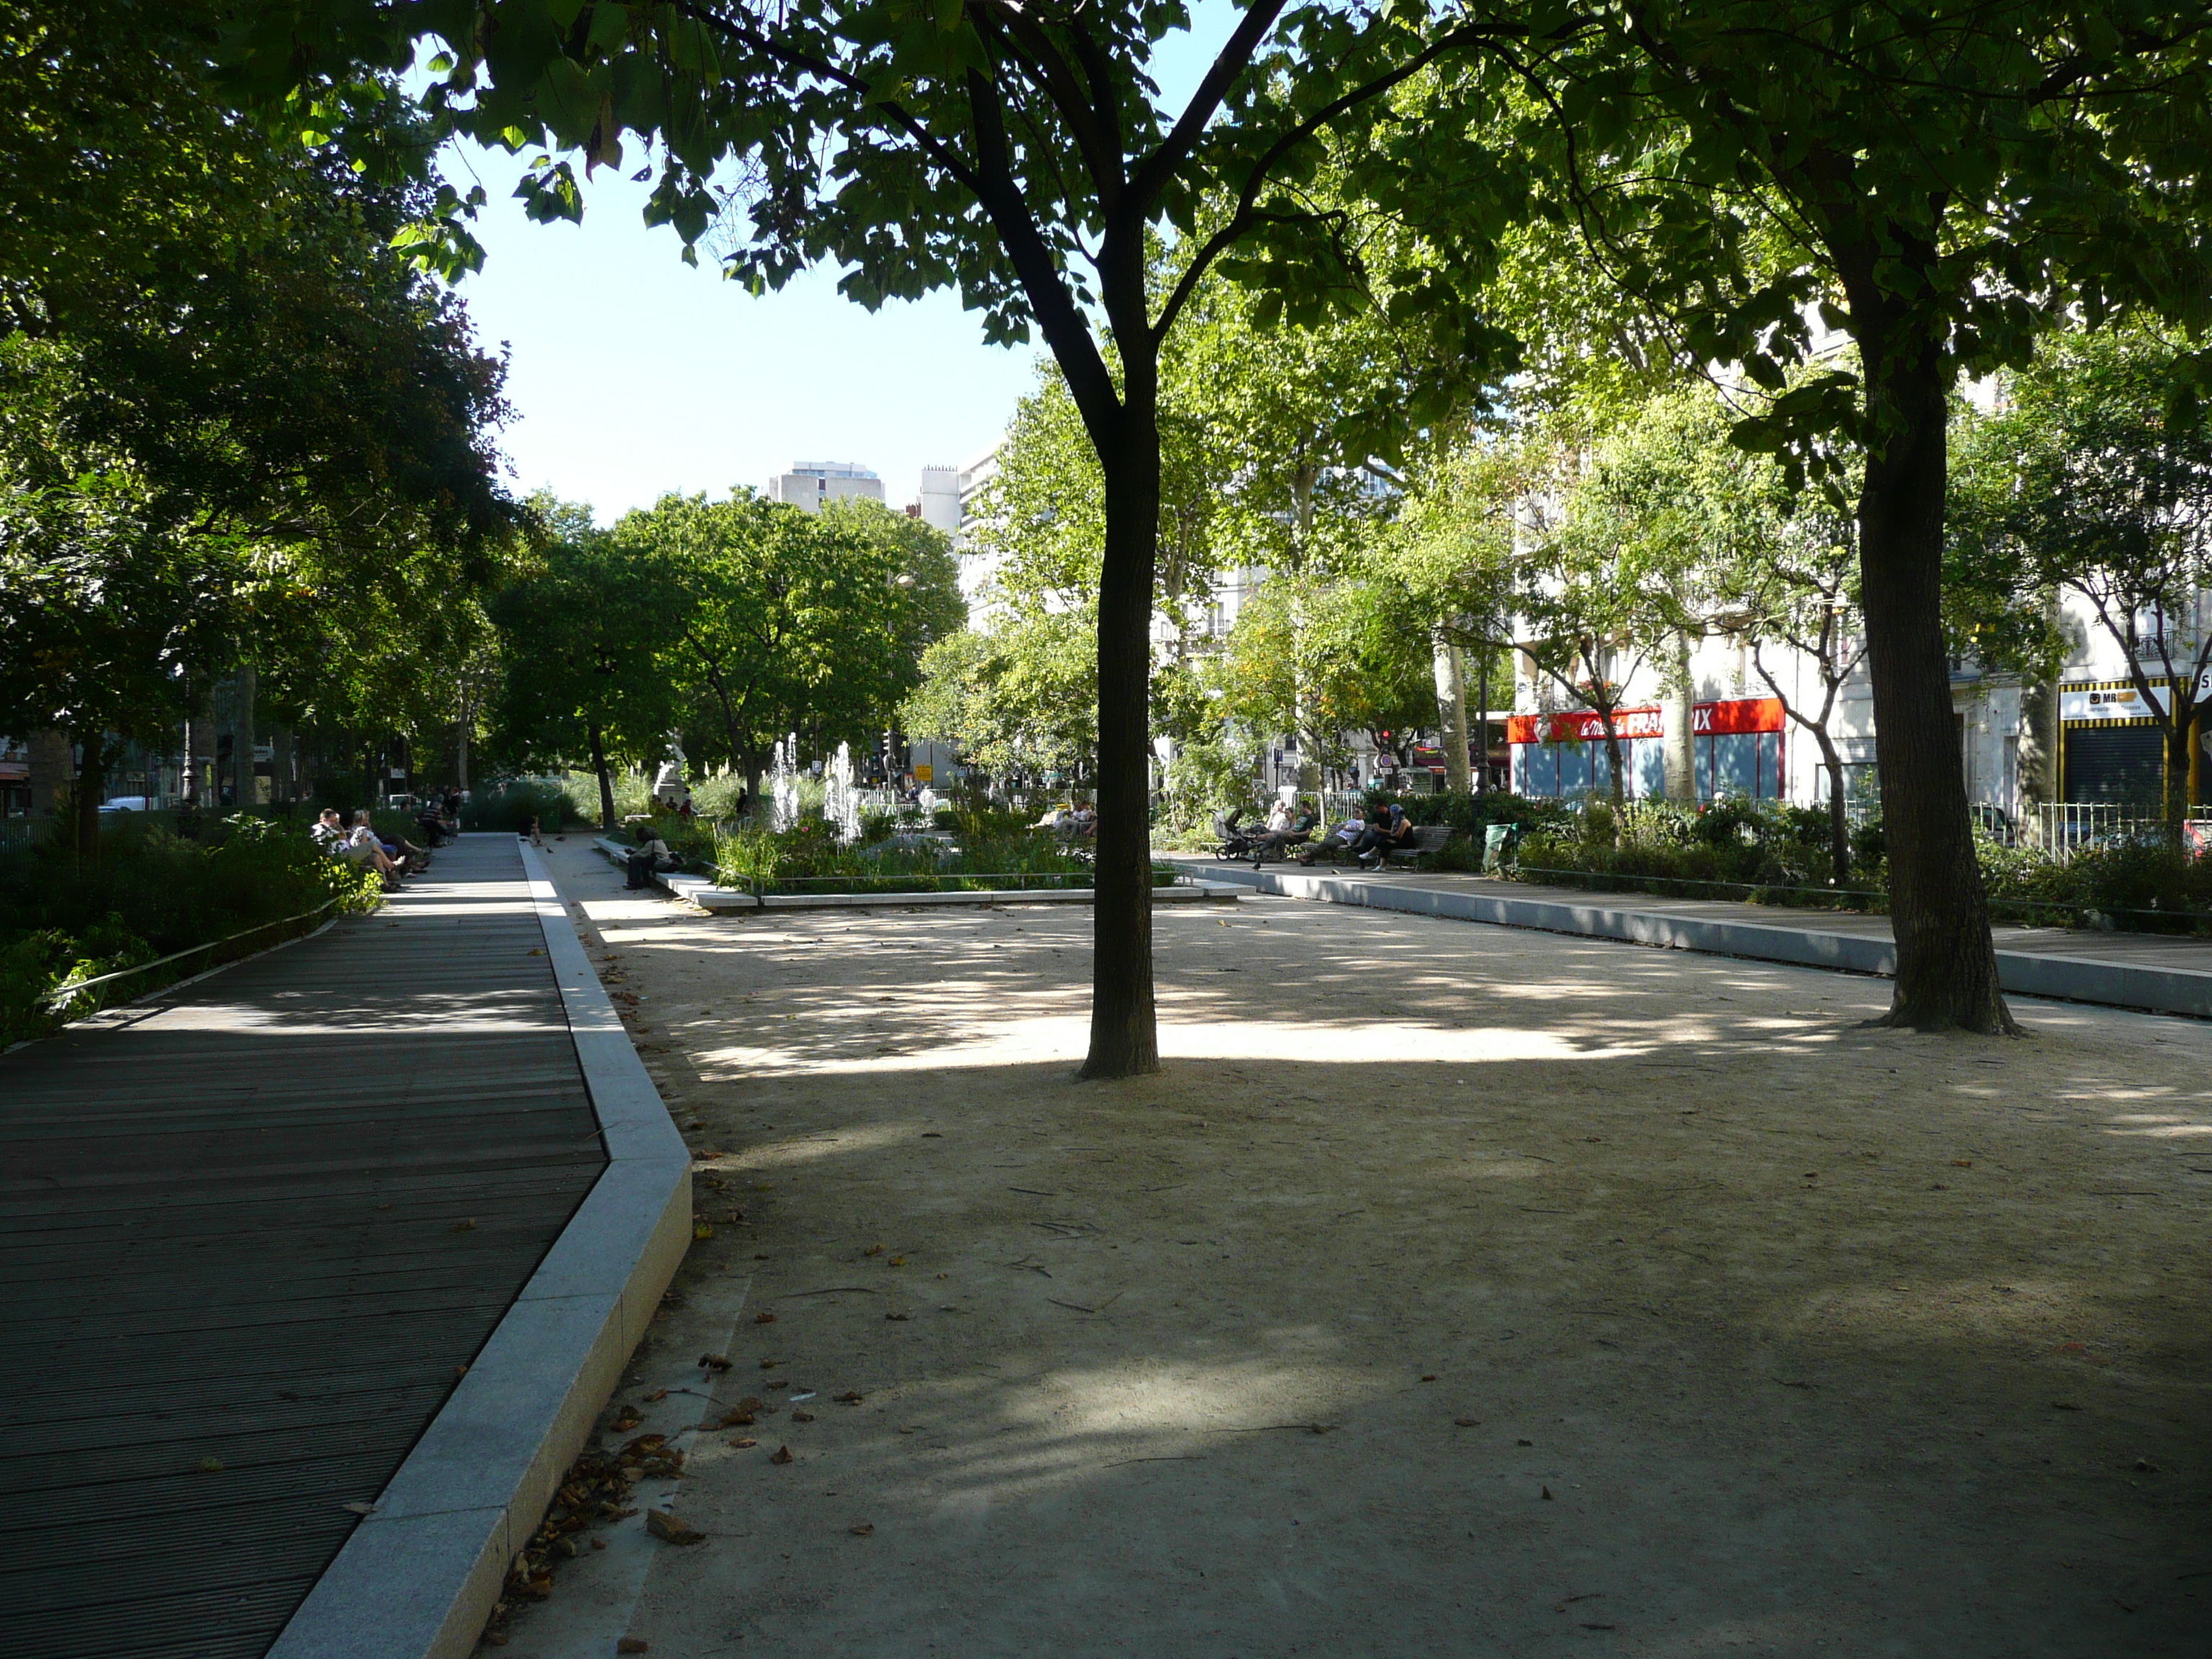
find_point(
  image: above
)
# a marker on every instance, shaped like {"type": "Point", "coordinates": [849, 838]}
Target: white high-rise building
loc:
{"type": "Point", "coordinates": [811, 484]}
{"type": "Point", "coordinates": [940, 506]}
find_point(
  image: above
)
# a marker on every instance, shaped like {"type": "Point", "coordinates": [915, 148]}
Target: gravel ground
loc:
{"type": "Point", "coordinates": [1455, 1290]}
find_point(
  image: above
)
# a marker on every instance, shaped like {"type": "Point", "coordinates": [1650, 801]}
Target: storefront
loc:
{"type": "Point", "coordinates": [1737, 745]}
{"type": "Point", "coordinates": [2112, 744]}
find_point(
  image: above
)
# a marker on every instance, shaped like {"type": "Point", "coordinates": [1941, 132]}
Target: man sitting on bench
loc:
{"type": "Point", "coordinates": [1392, 831]}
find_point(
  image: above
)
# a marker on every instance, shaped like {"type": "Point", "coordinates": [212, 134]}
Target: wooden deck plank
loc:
{"type": "Point", "coordinates": [232, 1232]}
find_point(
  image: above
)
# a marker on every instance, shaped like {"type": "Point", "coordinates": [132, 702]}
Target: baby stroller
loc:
{"type": "Point", "coordinates": [1237, 840]}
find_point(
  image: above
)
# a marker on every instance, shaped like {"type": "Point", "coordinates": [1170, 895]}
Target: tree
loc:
{"type": "Point", "coordinates": [791, 621]}
{"type": "Point", "coordinates": [238, 428]}
{"type": "Point", "coordinates": [2096, 476]}
{"type": "Point", "coordinates": [1020, 700]}
{"type": "Point", "coordinates": [582, 641]}
{"type": "Point", "coordinates": [1017, 154]}
{"type": "Point", "coordinates": [1940, 184]}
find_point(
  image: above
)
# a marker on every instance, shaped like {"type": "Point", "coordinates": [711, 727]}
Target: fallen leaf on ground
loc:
{"type": "Point", "coordinates": [1430, 1377]}
{"type": "Point", "coordinates": [745, 1444]}
{"type": "Point", "coordinates": [1545, 1491]}
{"type": "Point", "coordinates": [736, 1420]}
{"type": "Point", "coordinates": [702, 1229]}
{"type": "Point", "coordinates": [873, 1250]}
{"type": "Point", "coordinates": [781, 1455]}
{"type": "Point", "coordinates": [658, 1393]}
{"type": "Point", "coordinates": [850, 1397]}
{"type": "Point", "coordinates": [764, 1317]}
{"type": "Point", "coordinates": [865, 1529]}
{"type": "Point", "coordinates": [714, 1362]}
{"type": "Point", "coordinates": [633, 1644]}
{"type": "Point", "coordinates": [802, 1417]}
{"type": "Point", "coordinates": [359, 1508]}
{"type": "Point", "coordinates": [469, 1226]}
{"type": "Point", "coordinates": [670, 1528]}
{"type": "Point", "coordinates": [1468, 1422]}
{"type": "Point", "coordinates": [898, 1316]}
{"type": "Point", "coordinates": [1962, 1163]}
{"type": "Point", "coordinates": [211, 1466]}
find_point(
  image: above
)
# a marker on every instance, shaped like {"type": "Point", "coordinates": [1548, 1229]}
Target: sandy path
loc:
{"type": "Point", "coordinates": [1819, 1340]}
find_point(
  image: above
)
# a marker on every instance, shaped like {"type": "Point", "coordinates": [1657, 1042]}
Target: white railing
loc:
{"type": "Point", "coordinates": [2062, 827]}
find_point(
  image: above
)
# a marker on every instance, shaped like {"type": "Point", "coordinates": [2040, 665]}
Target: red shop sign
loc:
{"type": "Point", "coordinates": [1717, 719]}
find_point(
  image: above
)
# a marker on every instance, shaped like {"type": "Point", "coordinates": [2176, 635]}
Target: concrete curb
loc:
{"type": "Point", "coordinates": [418, 1577]}
{"type": "Point", "coordinates": [697, 890]}
{"type": "Point", "coordinates": [2025, 972]}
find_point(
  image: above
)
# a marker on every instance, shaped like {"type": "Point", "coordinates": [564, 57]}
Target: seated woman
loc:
{"type": "Point", "coordinates": [411, 859]}
{"type": "Point", "coordinates": [361, 847]}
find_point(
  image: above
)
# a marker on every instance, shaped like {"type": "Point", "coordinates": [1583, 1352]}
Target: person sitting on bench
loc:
{"type": "Point", "coordinates": [1283, 832]}
{"type": "Point", "coordinates": [649, 855]}
{"type": "Point", "coordinates": [1392, 833]}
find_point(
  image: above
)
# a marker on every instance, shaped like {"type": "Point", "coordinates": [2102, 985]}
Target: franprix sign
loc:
{"type": "Point", "coordinates": [2119, 701]}
{"type": "Point", "coordinates": [1707, 720]}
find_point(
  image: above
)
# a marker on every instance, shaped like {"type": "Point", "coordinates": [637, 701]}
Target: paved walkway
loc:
{"type": "Point", "coordinates": [250, 1235]}
{"type": "Point", "coordinates": [2168, 973]}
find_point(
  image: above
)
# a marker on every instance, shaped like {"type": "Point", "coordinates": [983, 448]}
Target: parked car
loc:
{"type": "Point", "coordinates": [128, 803]}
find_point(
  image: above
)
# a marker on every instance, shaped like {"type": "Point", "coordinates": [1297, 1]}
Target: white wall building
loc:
{"type": "Point", "coordinates": [809, 484]}
{"type": "Point", "coordinates": [938, 505]}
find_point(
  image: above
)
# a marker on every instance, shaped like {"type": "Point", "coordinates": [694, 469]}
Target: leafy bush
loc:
{"type": "Point", "coordinates": [152, 892]}
{"type": "Point", "coordinates": [810, 853]}
{"type": "Point", "coordinates": [1661, 845]}
{"type": "Point", "coordinates": [1780, 854]}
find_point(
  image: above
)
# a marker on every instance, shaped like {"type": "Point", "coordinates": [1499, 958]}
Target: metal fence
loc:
{"type": "Point", "coordinates": [16, 834]}
{"type": "Point", "coordinates": [2063, 827]}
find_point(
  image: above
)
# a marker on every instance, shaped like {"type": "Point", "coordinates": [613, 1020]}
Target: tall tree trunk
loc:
{"type": "Point", "coordinates": [1482, 696]}
{"type": "Point", "coordinates": [461, 747]}
{"type": "Point", "coordinates": [1617, 785]}
{"type": "Point", "coordinates": [1839, 824]}
{"type": "Point", "coordinates": [91, 786]}
{"type": "Point", "coordinates": [1947, 970]}
{"type": "Point", "coordinates": [1677, 720]}
{"type": "Point", "coordinates": [1451, 702]}
{"type": "Point", "coordinates": [2180, 746]}
{"type": "Point", "coordinates": [606, 783]}
{"type": "Point", "coordinates": [1124, 1034]}
{"type": "Point", "coordinates": [246, 693]}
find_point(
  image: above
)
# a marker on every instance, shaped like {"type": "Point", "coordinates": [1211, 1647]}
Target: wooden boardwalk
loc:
{"type": "Point", "coordinates": [248, 1236]}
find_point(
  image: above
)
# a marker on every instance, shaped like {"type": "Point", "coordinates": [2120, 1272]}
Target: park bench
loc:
{"type": "Point", "coordinates": [1428, 838]}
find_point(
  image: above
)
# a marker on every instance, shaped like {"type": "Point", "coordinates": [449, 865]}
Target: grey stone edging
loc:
{"type": "Point", "coordinates": [417, 1578]}
{"type": "Point", "coordinates": [2025, 972]}
{"type": "Point", "coordinates": [697, 890]}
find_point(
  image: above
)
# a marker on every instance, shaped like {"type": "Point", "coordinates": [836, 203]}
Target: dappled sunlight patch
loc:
{"type": "Point", "coordinates": [2158, 1126]}
{"type": "Point", "coordinates": [998, 1437]}
{"type": "Point", "coordinates": [810, 1149]}
{"type": "Point", "coordinates": [2002, 1311]}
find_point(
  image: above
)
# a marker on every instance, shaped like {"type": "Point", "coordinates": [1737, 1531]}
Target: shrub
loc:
{"type": "Point", "coordinates": [153, 892]}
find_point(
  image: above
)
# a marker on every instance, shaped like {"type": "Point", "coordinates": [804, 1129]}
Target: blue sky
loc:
{"type": "Point", "coordinates": [633, 375]}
